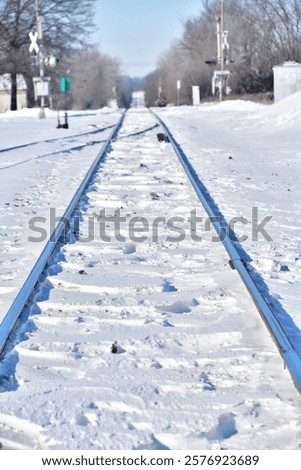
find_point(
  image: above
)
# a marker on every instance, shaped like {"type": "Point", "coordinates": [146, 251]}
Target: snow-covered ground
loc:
{"type": "Point", "coordinates": [195, 367]}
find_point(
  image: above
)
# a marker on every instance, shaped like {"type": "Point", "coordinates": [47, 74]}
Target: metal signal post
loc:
{"type": "Point", "coordinates": [40, 54]}
{"type": "Point", "coordinates": [220, 77]}
{"type": "Point", "coordinates": [41, 83]}
{"type": "Point", "coordinates": [40, 38]}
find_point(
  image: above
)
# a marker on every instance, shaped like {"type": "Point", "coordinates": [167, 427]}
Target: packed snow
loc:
{"type": "Point", "coordinates": [153, 343]}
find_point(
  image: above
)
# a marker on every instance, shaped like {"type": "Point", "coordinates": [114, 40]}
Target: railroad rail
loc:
{"type": "Point", "coordinates": [24, 294]}
{"type": "Point", "coordinates": [66, 149]}
{"type": "Point", "coordinates": [291, 358]}
{"type": "Point", "coordinates": [56, 139]}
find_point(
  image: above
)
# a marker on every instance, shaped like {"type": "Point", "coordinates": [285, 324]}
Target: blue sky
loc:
{"type": "Point", "coordinates": [139, 31]}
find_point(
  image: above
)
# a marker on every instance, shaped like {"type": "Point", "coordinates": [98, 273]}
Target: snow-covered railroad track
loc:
{"type": "Point", "coordinates": [61, 227]}
{"type": "Point", "coordinates": [140, 336]}
{"type": "Point", "coordinates": [54, 147]}
{"type": "Point", "coordinates": [37, 184]}
{"type": "Point", "coordinates": [288, 348]}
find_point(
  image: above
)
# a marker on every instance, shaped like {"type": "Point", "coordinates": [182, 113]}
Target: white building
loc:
{"type": "Point", "coordinates": [5, 92]}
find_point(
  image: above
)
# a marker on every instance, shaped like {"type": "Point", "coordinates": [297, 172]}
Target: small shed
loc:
{"type": "Point", "coordinates": [287, 80]}
{"type": "Point", "coordinates": [5, 92]}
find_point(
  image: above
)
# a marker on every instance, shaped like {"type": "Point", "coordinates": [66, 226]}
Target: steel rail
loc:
{"type": "Point", "coordinates": [55, 139]}
{"type": "Point", "coordinates": [76, 148]}
{"type": "Point", "coordinates": [27, 289]}
{"type": "Point", "coordinates": [291, 359]}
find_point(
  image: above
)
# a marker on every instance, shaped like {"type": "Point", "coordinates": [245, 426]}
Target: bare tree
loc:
{"type": "Point", "coordinates": [66, 26]}
{"type": "Point", "coordinates": [262, 34]}
{"type": "Point", "coordinates": [94, 83]}
{"type": "Point", "coordinates": [282, 20]}
{"type": "Point", "coordinates": [16, 19]}
{"type": "Point", "coordinates": [185, 59]}
{"type": "Point", "coordinates": [152, 89]}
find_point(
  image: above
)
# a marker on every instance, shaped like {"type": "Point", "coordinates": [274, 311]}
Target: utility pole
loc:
{"type": "Point", "coordinates": [222, 35]}
{"type": "Point", "coordinates": [221, 76]}
{"type": "Point", "coordinates": [220, 47]}
{"type": "Point", "coordinates": [41, 55]}
{"type": "Point", "coordinates": [41, 83]}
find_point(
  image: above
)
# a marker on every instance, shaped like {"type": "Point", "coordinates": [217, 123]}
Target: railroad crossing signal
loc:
{"type": "Point", "coordinates": [34, 44]}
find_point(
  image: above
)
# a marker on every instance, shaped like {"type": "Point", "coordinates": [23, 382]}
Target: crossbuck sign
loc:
{"type": "Point", "coordinates": [34, 45]}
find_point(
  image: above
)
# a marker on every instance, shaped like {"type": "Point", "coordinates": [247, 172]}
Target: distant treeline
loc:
{"type": "Point", "coordinates": [261, 34]}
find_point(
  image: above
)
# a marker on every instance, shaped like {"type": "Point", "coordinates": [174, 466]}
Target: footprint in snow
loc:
{"type": "Point", "coordinates": [169, 287]}
{"type": "Point", "coordinates": [207, 384]}
{"type": "Point", "coordinates": [129, 249]}
{"type": "Point", "coordinates": [177, 307]}
{"type": "Point", "coordinates": [225, 428]}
